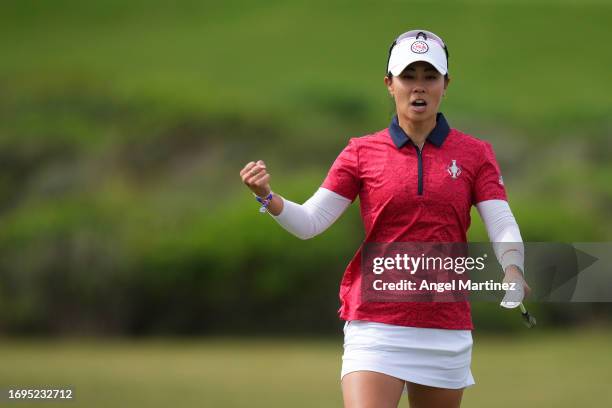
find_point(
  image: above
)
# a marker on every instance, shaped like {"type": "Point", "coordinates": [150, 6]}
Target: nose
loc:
{"type": "Point", "coordinates": [419, 87]}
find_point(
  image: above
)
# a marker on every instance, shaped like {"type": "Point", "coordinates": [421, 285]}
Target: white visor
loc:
{"type": "Point", "coordinates": [409, 50]}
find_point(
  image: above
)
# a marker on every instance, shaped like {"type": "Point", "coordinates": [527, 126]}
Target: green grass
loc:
{"type": "Point", "coordinates": [530, 64]}
{"type": "Point", "coordinates": [561, 369]}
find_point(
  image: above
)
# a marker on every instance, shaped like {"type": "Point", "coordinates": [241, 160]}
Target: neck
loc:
{"type": "Point", "coordinates": [417, 131]}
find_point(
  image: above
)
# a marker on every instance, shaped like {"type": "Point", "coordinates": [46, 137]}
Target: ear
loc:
{"type": "Point", "coordinates": [446, 82]}
{"type": "Point", "coordinates": [389, 84]}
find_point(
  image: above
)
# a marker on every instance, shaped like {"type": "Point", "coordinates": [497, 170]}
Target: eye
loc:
{"type": "Point", "coordinates": [432, 77]}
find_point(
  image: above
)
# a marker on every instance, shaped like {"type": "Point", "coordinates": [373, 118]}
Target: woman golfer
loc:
{"type": "Point", "coordinates": [416, 181]}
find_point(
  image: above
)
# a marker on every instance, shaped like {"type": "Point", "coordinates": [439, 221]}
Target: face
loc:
{"type": "Point", "coordinates": [417, 91]}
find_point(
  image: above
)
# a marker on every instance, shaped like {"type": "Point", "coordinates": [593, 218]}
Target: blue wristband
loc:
{"type": "Point", "coordinates": [265, 202]}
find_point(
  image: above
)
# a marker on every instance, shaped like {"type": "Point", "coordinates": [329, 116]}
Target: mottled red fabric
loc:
{"type": "Point", "coordinates": [385, 178]}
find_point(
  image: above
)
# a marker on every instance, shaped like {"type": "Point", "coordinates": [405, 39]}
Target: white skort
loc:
{"type": "Point", "coordinates": [435, 357]}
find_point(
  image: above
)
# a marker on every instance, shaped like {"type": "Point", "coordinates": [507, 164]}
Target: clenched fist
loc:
{"type": "Point", "coordinates": [256, 177]}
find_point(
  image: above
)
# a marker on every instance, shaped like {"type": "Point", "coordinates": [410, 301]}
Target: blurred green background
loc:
{"type": "Point", "coordinates": [123, 126]}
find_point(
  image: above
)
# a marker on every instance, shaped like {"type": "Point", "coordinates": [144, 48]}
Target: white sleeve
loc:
{"type": "Point", "coordinates": [503, 232]}
{"type": "Point", "coordinates": [314, 216]}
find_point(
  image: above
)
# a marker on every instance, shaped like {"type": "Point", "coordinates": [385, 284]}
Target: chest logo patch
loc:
{"type": "Point", "coordinates": [453, 169]}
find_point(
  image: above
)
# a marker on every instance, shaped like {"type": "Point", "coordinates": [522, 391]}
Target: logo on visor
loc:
{"type": "Point", "coordinates": [453, 169]}
{"type": "Point", "coordinates": [419, 47]}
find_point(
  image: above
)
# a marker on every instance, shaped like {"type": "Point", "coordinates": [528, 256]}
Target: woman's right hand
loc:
{"type": "Point", "coordinates": [257, 178]}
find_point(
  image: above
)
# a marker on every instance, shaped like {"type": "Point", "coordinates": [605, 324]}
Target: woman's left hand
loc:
{"type": "Point", "coordinates": [514, 274]}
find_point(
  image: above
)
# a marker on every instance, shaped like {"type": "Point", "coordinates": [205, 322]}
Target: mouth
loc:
{"type": "Point", "coordinates": [419, 105]}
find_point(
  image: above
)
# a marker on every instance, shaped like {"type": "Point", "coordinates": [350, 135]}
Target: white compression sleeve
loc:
{"type": "Point", "coordinates": [503, 232]}
{"type": "Point", "coordinates": [314, 216]}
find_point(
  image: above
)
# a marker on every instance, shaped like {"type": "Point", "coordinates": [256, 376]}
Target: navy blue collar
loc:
{"type": "Point", "coordinates": [437, 135]}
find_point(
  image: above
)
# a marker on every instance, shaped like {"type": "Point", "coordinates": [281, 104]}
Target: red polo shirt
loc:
{"type": "Point", "coordinates": [407, 195]}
